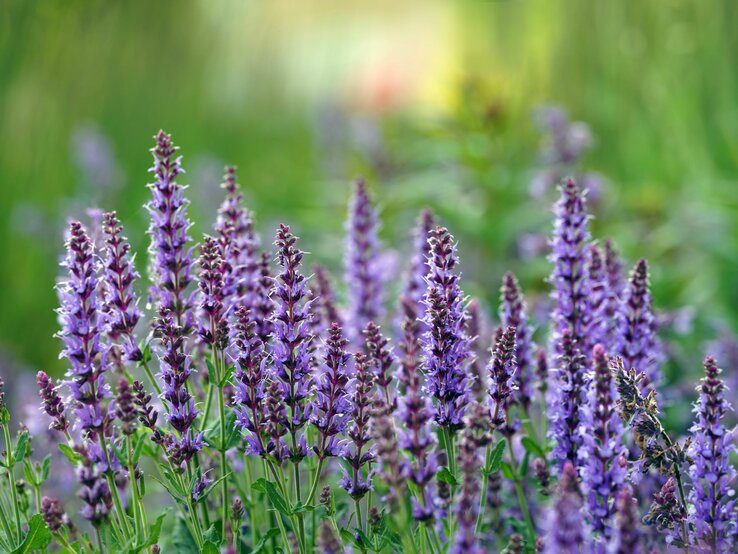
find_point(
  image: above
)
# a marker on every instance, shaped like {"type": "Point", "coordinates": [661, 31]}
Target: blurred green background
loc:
{"type": "Point", "coordinates": [432, 101]}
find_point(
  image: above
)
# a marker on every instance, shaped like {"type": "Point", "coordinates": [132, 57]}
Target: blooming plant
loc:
{"type": "Point", "coordinates": [246, 410]}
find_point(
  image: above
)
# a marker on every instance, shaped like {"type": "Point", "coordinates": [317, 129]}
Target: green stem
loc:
{"type": "Point", "coordinates": [316, 480]}
{"type": "Point", "coordinates": [521, 495]}
{"type": "Point", "coordinates": [208, 407]}
{"type": "Point", "coordinates": [9, 461]}
{"type": "Point", "coordinates": [152, 379]}
{"type": "Point", "coordinates": [483, 495]}
{"type": "Point", "coordinates": [223, 459]}
{"type": "Point", "coordinates": [139, 516]}
{"type": "Point", "coordinates": [121, 513]}
{"type": "Point", "coordinates": [448, 439]}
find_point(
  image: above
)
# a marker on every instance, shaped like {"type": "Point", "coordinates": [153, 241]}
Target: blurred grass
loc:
{"type": "Point", "coordinates": [430, 100]}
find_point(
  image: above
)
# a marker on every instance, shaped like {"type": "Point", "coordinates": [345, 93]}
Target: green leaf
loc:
{"type": "Point", "coordinates": [211, 534]}
{"type": "Point", "coordinates": [73, 457]}
{"type": "Point", "coordinates": [233, 436]}
{"type": "Point", "coordinates": [154, 532]}
{"type": "Point", "coordinates": [171, 487]}
{"type": "Point", "coordinates": [4, 415]}
{"type": "Point", "coordinates": [146, 351]}
{"type": "Point", "coordinates": [349, 537]}
{"type": "Point", "coordinates": [212, 374]}
{"type": "Point", "coordinates": [532, 446]}
{"type": "Point", "coordinates": [21, 446]}
{"type": "Point", "coordinates": [138, 449]}
{"type": "Point", "coordinates": [445, 476]}
{"type": "Point", "coordinates": [38, 536]}
{"type": "Point", "coordinates": [301, 508]}
{"type": "Point", "coordinates": [523, 469]}
{"type": "Point", "coordinates": [211, 487]}
{"type": "Point", "coordinates": [210, 548]}
{"type": "Point", "coordinates": [45, 467]}
{"type": "Point", "coordinates": [507, 471]}
{"type": "Point", "coordinates": [259, 485]}
{"type": "Point", "coordinates": [277, 500]}
{"type": "Point", "coordinates": [180, 540]}
{"type": "Point", "coordinates": [269, 535]}
{"type": "Point", "coordinates": [226, 376]}
{"type": "Point", "coordinates": [495, 457]}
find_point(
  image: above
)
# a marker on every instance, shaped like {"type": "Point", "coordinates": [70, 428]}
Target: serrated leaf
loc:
{"type": "Point", "coordinates": [273, 532]}
{"type": "Point", "coordinates": [210, 548]}
{"type": "Point", "coordinates": [259, 485]}
{"type": "Point", "coordinates": [211, 534]}
{"type": "Point", "coordinates": [277, 500]}
{"type": "Point", "coordinates": [532, 446]}
{"type": "Point", "coordinates": [495, 457]}
{"type": "Point", "coordinates": [73, 457]}
{"type": "Point", "coordinates": [180, 540]}
{"type": "Point", "coordinates": [20, 447]}
{"type": "Point", "coordinates": [445, 476]}
{"type": "Point", "coordinates": [37, 538]}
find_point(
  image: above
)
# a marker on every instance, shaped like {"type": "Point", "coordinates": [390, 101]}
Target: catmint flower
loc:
{"type": "Point", "coordinates": [569, 397]}
{"type": "Point", "coordinates": [125, 408]}
{"type": "Point", "coordinates": [237, 510]}
{"type": "Point", "coordinates": [249, 374]}
{"type": "Point", "coordinates": [290, 349]}
{"type": "Point", "coordinates": [362, 264]}
{"type": "Point", "coordinates": [476, 435]}
{"type": "Point", "coordinates": [146, 413]}
{"type": "Point", "coordinates": [667, 513]}
{"type": "Point", "coordinates": [542, 371]}
{"type": "Point", "coordinates": [121, 303]}
{"type": "Point", "coordinates": [598, 294]}
{"type": "Point", "coordinates": [213, 325]}
{"type": "Point", "coordinates": [175, 373]}
{"type": "Point", "coordinates": [446, 345]}
{"type": "Point", "coordinates": [571, 286]}
{"type": "Point", "coordinates": [328, 311]}
{"type": "Point", "coordinates": [626, 533]}
{"type": "Point", "coordinates": [601, 455]}
{"type": "Point", "coordinates": [81, 322]}
{"type": "Point", "coordinates": [235, 228]}
{"type": "Point", "coordinates": [502, 368]}
{"type": "Point", "coordinates": [332, 399]}
{"type": "Point", "coordinates": [474, 330]}
{"type": "Point", "coordinates": [262, 302]}
{"type": "Point", "coordinates": [53, 513]}
{"type": "Point", "coordinates": [415, 286]}
{"type": "Point", "coordinates": [640, 345]}
{"type": "Point", "coordinates": [356, 453]}
{"type": "Point", "coordinates": [95, 494]}
{"type": "Point", "coordinates": [387, 451]}
{"type": "Point", "coordinates": [566, 532]}
{"type": "Point", "coordinates": [382, 359]}
{"type": "Point", "coordinates": [53, 405]}
{"type": "Point", "coordinates": [171, 256]}
{"type": "Point", "coordinates": [513, 313]}
{"type": "Point", "coordinates": [711, 472]}
{"type": "Point", "coordinates": [201, 484]}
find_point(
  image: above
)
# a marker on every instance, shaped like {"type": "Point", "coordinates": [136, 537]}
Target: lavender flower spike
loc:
{"type": "Point", "coordinates": [53, 405]}
{"type": "Point", "coordinates": [235, 228]}
{"type": "Point", "coordinates": [213, 325]}
{"type": "Point", "coordinates": [640, 344]}
{"type": "Point", "coordinates": [502, 368]}
{"type": "Point", "coordinates": [290, 349]}
{"type": "Point", "coordinates": [571, 290]}
{"type": "Point", "coordinates": [446, 345]}
{"type": "Point", "coordinates": [249, 377]}
{"type": "Point", "coordinates": [711, 472]}
{"type": "Point", "coordinates": [363, 276]}
{"type": "Point", "coordinates": [601, 456]}
{"type": "Point", "coordinates": [171, 257]}
{"type": "Point", "coordinates": [513, 312]}
{"type": "Point", "coordinates": [81, 332]}
{"type": "Point", "coordinates": [614, 312]}
{"type": "Point", "coordinates": [566, 532]}
{"type": "Point", "coordinates": [382, 358]}
{"type": "Point", "coordinates": [598, 298]}
{"type": "Point", "coordinates": [332, 399]}
{"type": "Point", "coordinates": [324, 290]}
{"type": "Point", "coordinates": [175, 372]}
{"type": "Point", "coordinates": [121, 304]}
{"type": "Point", "coordinates": [415, 286]}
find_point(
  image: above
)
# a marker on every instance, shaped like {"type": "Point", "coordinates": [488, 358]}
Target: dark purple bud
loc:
{"type": "Point", "coordinates": [502, 368]}
{"type": "Point", "coordinates": [53, 405]}
{"type": "Point", "coordinates": [52, 513]}
{"type": "Point", "coordinates": [213, 325]}
{"type": "Point", "coordinates": [125, 408]}
{"type": "Point", "coordinates": [514, 313]}
{"type": "Point", "coordinates": [382, 359]}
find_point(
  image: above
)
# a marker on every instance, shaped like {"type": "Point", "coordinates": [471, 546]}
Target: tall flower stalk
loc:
{"type": "Point", "coordinates": [513, 313]}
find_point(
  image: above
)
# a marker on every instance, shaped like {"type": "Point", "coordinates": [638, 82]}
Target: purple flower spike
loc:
{"type": "Point", "coordinates": [81, 332]}
{"type": "Point", "coordinates": [121, 304]}
{"type": "Point", "coordinates": [332, 399]}
{"type": "Point", "coordinates": [382, 359]}
{"type": "Point", "coordinates": [513, 313]}
{"type": "Point", "coordinates": [170, 255]}
{"type": "Point", "coordinates": [356, 453]}
{"type": "Point", "coordinates": [235, 228]}
{"type": "Point", "coordinates": [53, 405]}
{"type": "Point", "coordinates": [249, 359]}
{"type": "Point", "coordinates": [324, 291]}
{"type": "Point", "coordinates": [415, 286]}
{"type": "Point", "coordinates": [125, 409]}
{"type": "Point", "coordinates": [627, 534]}
{"type": "Point", "coordinates": [290, 350]}
{"type": "Point", "coordinates": [641, 348]}
{"type": "Point", "coordinates": [502, 368]}
{"type": "Point", "coordinates": [387, 451]}
{"type": "Point", "coordinates": [213, 325]}
{"type": "Point", "coordinates": [601, 456]}
{"type": "Point", "coordinates": [568, 398]}
{"type": "Point", "coordinates": [598, 297]}
{"type": "Point", "coordinates": [262, 302]}
{"type": "Point", "coordinates": [712, 473]}
{"type": "Point", "coordinates": [571, 286]}
{"type": "Point", "coordinates": [614, 314]}
{"type": "Point", "coordinates": [276, 421]}
{"type": "Point", "coordinates": [362, 264]}
{"type": "Point", "coordinates": [175, 372]}
{"type": "Point", "coordinates": [566, 532]}
{"type": "Point", "coordinates": [446, 345]}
